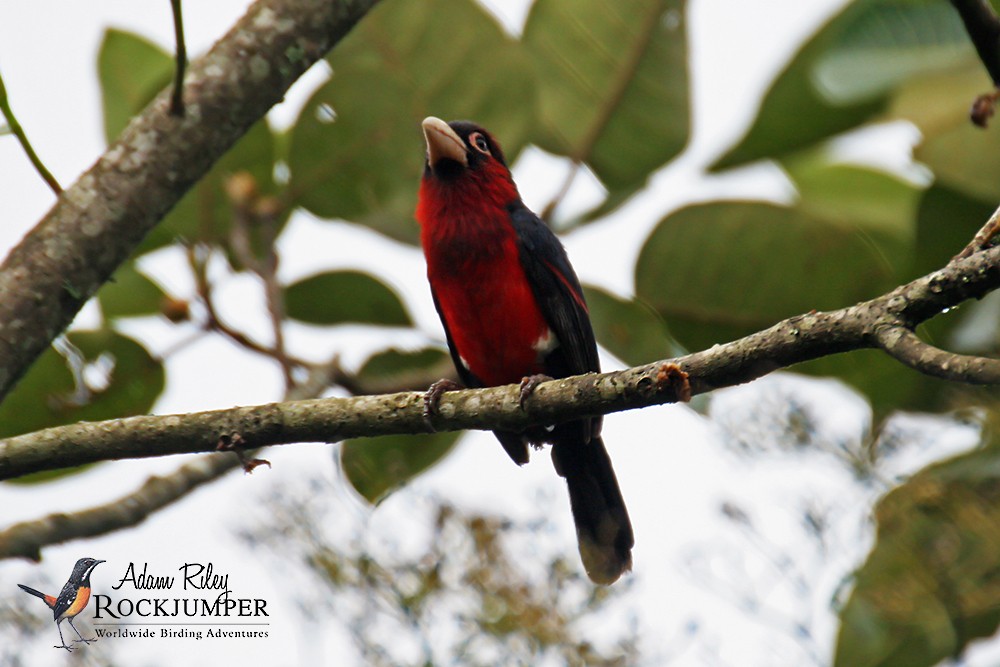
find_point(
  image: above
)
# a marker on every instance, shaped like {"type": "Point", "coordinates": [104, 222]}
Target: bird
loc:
{"type": "Point", "coordinates": [72, 599]}
{"type": "Point", "coordinates": [514, 312]}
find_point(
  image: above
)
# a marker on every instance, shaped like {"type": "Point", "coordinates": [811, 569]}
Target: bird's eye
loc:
{"type": "Point", "coordinates": [479, 142]}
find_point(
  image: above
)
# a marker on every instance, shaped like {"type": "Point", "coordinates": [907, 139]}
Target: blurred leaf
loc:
{"type": "Point", "coordinates": [841, 77]}
{"type": "Point", "coordinates": [129, 293]}
{"type": "Point", "coordinates": [946, 221]}
{"type": "Point", "coordinates": [399, 370]}
{"type": "Point", "coordinates": [377, 466]}
{"type": "Point", "coordinates": [716, 272]}
{"type": "Point", "coordinates": [630, 330]}
{"type": "Point", "coordinates": [132, 70]}
{"type": "Point", "coordinates": [847, 193]}
{"type": "Point", "coordinates": [930, 584]}
{"type": "Point", "coordinates": [47, 397]}
{"type": "Point", "coordinates": [356, 150]}
{"type": "Point", "coordinates": [613, 83]}
{"type": "Point", "coordinates": [339, 297]}
{"type": "Point", "coordinates": [962, 156]}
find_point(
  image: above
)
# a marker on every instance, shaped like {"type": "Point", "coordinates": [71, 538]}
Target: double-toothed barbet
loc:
{"type": "Point", "coordinates": [513, 310]}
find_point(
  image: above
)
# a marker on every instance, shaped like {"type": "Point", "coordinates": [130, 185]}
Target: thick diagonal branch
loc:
{"type": "Point", "coordinates": [98, 221]}
{"type": "Point", "coordinates": [792, 341]}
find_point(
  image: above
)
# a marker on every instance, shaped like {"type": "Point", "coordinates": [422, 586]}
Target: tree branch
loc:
{"type": "Point", "coordinates": [870, 324]}
{"type": "Point", "coordinates": [101, 218]}
{"type": "Point", "coordinates": [906, 347]}
{"type": "Point", "coordinates": [983, 26]}
{"type": "Point", "coordinates": [26, 539]}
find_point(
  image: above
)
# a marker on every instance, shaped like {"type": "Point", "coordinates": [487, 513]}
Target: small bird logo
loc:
{"type": "Point", "coordinates": [72, 599]}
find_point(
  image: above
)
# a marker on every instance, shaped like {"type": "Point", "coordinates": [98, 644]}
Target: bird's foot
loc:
{"type": "Point", "coordinates": [68, 648]}
{"type": "Point", "coordinates": [432, 397]}
{"type": "Point", "coordinates": [528, 386]}
{"type": "Point", "coordinates": [85, 641]}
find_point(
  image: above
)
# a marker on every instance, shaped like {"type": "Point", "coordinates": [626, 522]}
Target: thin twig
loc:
{"type": "Point", "coordinates": [247, 210]}
{"type": "Point", "coordinates": [16, 129]}
{"type": "Point", "coordinates": [177, 94]}
{"type": "Point", "coordinates": [905, 346]}
{"type": "Point", "coordinates": [983, 26]}
{"type": "Point", "coordinates": [26, 539]}
{"type": "Point", "coordinates": [213, 322]}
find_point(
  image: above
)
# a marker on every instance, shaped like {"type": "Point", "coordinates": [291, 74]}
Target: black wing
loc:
{"type": "Point", "coordinates": [558, 293]}
{"type": "Point", "coordinates": [66, 597]}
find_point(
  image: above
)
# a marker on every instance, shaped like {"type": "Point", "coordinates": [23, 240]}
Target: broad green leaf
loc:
{"type": "Point", "coordinates": [847, 193]}
{"type": "Point", "coordinates": [375, 467]}
{"type": "Point", "coordinates": [719, 271]}
{"type": "Point", "coordinates": [47, 395]}
{"type": "Point", "coordinates": [339, 297]}
{"type": "Point", "coordinates": [356, 151]}
{"type": "Point", "coordinates": [929, 586]}
{"type": "Point", "coordinates": [132, 71]}
{"type": "Point", "coordinates": [613, 83]}
{"type": "Point", "coordinates": [129, 293]}
{"type": "Point", "coordinates": [841, 77]}
{"type": "Point", "coordinates": [886, 42]}
{"type": "Point", "coordinates": [400, 370]}
{"type": "Point", "coordinates": [962, 156]}
{"type": "Point", "coordinates": [946, 221]}
{"type": "Point", "coordinates": [629, 329]}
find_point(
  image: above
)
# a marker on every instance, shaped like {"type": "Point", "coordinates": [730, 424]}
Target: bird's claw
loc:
{"type": "Point", "coordinates": [528, 385]}
{"type": "Point", "coordinates": [433, 396]}
{"type": "Point", "coordinates": [68, 648]}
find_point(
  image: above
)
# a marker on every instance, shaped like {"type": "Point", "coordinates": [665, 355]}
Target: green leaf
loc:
{"type": "Point", "coordinates": [946, 221]}
{"type": "Point", "coordinates": [339, 297]}
{"type": "Point", "coordinates": [842, 76]}
{"type": "Point", "coordinates": [962, 156]}
{"type": "Point", "coordinates": [406, 369]}
{"type": "Point", "coordinates": [375, 467]}
{"type": "Point", "coordinates": [129, 293]}
{"type": "Point", "coordinates": [132, 71]}
{"type": "Point", "coordinates": [356, 150]}
{"type": "Point", "coordinates": [613, 83]}
{"type": "Point", "coordinates": [848, 193]}
{"type": "Point", "coordinates": [630, 330]}
{"type": "Point", "coordinates": [716, 272]}
{"type": "Point", "coordinates": [929, 586]}
{"type": "Point", "coordinates": [47, 395]}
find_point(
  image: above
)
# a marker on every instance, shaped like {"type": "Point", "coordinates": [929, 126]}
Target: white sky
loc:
{"type": "Point", "coordinates": [672, 469]}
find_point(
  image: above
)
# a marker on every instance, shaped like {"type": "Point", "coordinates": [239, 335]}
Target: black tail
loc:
{"type": "Point", "coordinates": [28, 589]}
{"type": "Point", "coordinates": [602, 524]}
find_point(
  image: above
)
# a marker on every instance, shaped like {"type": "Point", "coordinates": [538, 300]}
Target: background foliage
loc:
{"type": "Point", "coordinates": [709, 272]}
